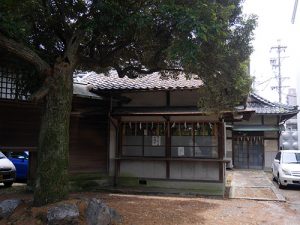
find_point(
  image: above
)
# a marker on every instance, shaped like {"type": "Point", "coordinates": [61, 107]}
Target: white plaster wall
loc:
{"type": "Point", "coordinates": [194, 170]}
{"type": "Point", "coordinates": [146, 169]}
{"type": "Point", "coordinates": [184, 98]}
{"type": "Point", "coordinates": [271, 134]}
{"type": "Point", "coordinates": [254, 120]}
{"type": "Point", "coordinates": [270, 120]}
{"type": "Point", "coordinates": [146, 98]}
{"type": "Point", "coordinates": [229, 149]}
{"type": "Point", "coordinates": [228, 133]}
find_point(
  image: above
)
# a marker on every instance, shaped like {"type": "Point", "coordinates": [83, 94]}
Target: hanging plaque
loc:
{"type": "Point", "coordinates": [156, 141]}
{"type": "Point", "coordinates": [180, 151]}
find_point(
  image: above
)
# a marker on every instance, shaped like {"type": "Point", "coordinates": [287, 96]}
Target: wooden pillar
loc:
{"type": "Point", "coordinates": [168, 148]}
{"type": "Point", "coordinates": [221, 149]}
{"type": "Point", "coordinates": [119, 151]}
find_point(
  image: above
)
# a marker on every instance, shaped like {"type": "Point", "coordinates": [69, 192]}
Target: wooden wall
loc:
{"type": "Point", "coordinates": [19, 124]}
{"type": "Point", "coordinates": [88, 144]}
{"type": "Point", "coordinates": [19, 130]}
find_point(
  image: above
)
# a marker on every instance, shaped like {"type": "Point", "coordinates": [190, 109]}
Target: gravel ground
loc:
{"type": "Point", "coordinates": [165, 210]}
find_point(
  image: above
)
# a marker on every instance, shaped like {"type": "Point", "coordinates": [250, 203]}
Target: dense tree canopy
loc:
{"type": "Point", "coordinates": [208, 38]}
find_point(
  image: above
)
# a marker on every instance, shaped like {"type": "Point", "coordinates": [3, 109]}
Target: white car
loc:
{"type": "Point", "coordinates": [286, 168]}
{"type": "Point", "coordinates": [7, 171]}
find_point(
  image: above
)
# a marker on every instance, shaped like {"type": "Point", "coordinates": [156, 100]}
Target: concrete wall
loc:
{"type": "Point", "coordinates": [271, 148]}
{"type": "Point", "coordinates": [271, 145]}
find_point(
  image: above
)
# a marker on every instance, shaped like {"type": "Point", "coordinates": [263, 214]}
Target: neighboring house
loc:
{"type": "Point", "coordinates": [253, 144]}
{"type": "Point", "coordinates": [158, 137]}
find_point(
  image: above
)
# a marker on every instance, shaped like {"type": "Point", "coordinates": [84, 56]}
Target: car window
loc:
{"type": "Point", "coordinates": [291, 157]}
{"type": "Point", "coordinates": [2, 155]}
{"type": "Point", "coordinates": [278, 156]}
{"type": "Point", "coordinates": [18, 155]}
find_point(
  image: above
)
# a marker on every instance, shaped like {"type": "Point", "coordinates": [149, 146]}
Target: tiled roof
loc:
{"type": "Point", "coordinates": [264, 106]}
{"type": "Point", "coordinates": [153, 81]}
{"type": "Point", "coordinates": [83, 90]}
{"type": "Point", "coordinates": [111, 82]}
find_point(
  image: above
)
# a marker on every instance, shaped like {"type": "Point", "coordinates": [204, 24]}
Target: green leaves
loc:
{"type": "Point", "coordinates": [203, 37]}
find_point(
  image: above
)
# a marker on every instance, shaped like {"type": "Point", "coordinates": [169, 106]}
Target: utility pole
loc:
{"type": "Point", "coordinates": [276, 63]}
{"type": "Point", "coordinates": [298, 79]}
{"type": "Point", "coordinates": [294, 11]}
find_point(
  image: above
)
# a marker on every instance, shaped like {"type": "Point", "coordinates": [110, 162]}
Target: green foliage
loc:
{"type": "Point", "coordinates": [226, 91]}
{"type": "Point", "coordinates": [203, 37]}
{"type": "Point", "coordinates": [208, 38]}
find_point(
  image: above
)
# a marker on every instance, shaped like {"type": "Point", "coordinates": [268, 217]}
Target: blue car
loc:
{"type": "Point", "coordinates": [20, 160]}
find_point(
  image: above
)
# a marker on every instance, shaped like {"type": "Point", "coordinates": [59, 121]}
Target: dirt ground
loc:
{"type": "Point", "coordinates": [151, 209]}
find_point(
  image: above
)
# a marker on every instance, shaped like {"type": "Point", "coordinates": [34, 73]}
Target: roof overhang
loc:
{"type": "Point", "coordinates": [180, 111]}
{"type": "Point", "coordinates": [256, 128]}
{"type": "Point", "coordinates": [236, 116]}
{"type": "Point", "coordinates": [157, 111]}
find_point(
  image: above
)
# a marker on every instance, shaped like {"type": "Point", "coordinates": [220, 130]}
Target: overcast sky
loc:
{"type": "Point", "coordinates": [274, 23]}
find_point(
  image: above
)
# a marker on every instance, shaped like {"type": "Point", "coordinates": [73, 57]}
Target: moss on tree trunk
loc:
{"type": "Point", "coordinates": [53, 153]}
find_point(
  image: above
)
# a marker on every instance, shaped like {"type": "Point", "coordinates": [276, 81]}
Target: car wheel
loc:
{"type": "Point", "coordinates": [279, 183]}
{"type": "Point", "coordinates": [8, 184]}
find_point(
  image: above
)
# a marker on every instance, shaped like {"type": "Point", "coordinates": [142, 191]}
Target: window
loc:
{"type": "Point", "coordinates": [194, 140]}
{"type": "Point", "coordinates": [143, 139]}
{"type": "Point", "coordinates": [182, 142]}
{"type": "Point", "coordinates": [290, 157]}
{"type": "Point", "coordinates": [187, 139]}
{"type": "Point", "coordinates": [278, 156]}
{"type": "Point", "coordinates": [9, 85]}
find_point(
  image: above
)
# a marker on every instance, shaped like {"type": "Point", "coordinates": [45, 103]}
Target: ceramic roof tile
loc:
{"type": "Point", "coordinates": [264, 106]}
{"type": "Point", "coordinates": [148, 82]}
{"type": "Point", "coordinates": [112, 82]}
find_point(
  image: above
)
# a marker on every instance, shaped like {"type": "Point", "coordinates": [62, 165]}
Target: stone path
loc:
{"type": "Point", "coordinates": [252, 184]}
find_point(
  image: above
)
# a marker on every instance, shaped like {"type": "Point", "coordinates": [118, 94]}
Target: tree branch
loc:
{"type": "Point", "coordinates": [139, 70]}
{"type": "Point", "coordinates": [24, 53]}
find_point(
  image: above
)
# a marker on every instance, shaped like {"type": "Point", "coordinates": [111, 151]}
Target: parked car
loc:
{"type": "Point", "coordinates": [7, 171]}
{"type": "Point", "coordinates": [286, 168]}
{"type": "Point", "coordinates": [20, 160]}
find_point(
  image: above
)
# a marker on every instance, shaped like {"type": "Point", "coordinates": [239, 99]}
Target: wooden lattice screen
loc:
{"type": "Point", "coordinates": [9, 85]}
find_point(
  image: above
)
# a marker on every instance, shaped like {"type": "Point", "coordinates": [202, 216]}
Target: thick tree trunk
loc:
{"type": "Point", "coordinates": [52, 172]}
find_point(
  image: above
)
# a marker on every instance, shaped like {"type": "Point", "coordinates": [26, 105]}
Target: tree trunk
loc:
{"type": "Point", "coordinates": [53, 153]}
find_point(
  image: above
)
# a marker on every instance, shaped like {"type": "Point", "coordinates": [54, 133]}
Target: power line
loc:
{"type": "Point", "coordinates": [263, 82]}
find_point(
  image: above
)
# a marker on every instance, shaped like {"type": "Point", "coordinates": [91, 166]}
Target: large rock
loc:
{"type": "Point", "coordinates": [116, 218]}
{"type": "Point", "coordinates": [97, 213]}
{"type": "Point", "coordinates": [63, 214]}
{"type": "Point", "coordinates": [8, 206]}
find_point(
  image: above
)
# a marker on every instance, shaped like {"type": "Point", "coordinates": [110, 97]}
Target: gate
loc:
{"type": "Point", "coordinates": [248, 151]}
